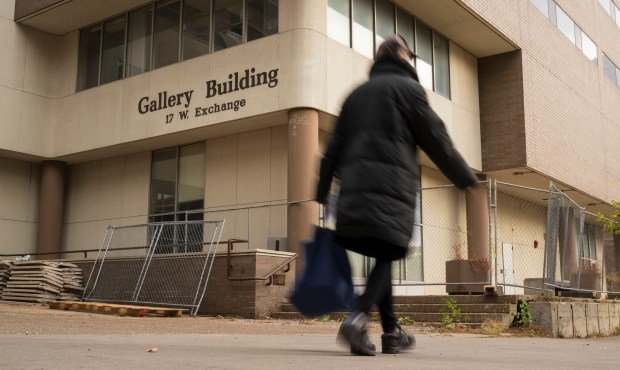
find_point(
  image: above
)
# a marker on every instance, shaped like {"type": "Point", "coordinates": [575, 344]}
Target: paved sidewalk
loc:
{"type": "Point", "coordinates": [297, 351]}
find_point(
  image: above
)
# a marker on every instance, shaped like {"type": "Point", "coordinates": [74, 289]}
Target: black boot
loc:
{"type": "Point", "coordinates": [353, 332]}
{"type": "Point", "coordinates": [394, 343]}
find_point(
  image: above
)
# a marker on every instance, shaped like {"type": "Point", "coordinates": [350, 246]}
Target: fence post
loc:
{"type": "Point", "coordinates": [147, 261]}
{"type": "Point", "coordinates": [102, 260]}
{"type": "Point", "coordinates": [493, 228]}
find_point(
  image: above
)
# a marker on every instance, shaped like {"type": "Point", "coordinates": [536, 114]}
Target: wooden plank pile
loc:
{"type": "Point", "coordinates": [72, 282]}
{"type": "Point", "coordinates": [118, 309]}
{"type": "Point", "coordinates": [42, 281]}
{"type": "Point", "coordinates": [5, 273]}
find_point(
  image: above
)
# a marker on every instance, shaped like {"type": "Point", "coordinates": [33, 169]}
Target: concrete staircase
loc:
{"type": "Point", "coordinates": [429, 309]}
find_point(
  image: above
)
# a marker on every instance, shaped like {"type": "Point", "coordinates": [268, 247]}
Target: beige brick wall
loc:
{"type": "Point", "coordinates": [572, 111]}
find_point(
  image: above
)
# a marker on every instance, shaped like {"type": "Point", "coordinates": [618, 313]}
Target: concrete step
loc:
{"type": "Point", "coordinates": [459, 299]}
{"type": "Point", "coordinates": [470, 318]}
{"type": "Point", "coordinates": [438, 308]}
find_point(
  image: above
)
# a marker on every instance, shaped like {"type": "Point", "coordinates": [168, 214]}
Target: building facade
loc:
{"type": "Point", "coordinates": [126, 112]}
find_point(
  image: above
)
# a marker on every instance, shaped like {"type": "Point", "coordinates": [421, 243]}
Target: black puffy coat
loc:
{"type": "Point", "coordinates": [373, 153]}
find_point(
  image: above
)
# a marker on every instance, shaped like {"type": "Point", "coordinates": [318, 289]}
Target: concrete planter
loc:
{"type": "Point", "coordinates": [466, 271]}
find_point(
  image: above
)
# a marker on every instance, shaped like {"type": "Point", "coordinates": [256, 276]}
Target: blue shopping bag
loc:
{"type": "Point", "coordinates": [326, 284]}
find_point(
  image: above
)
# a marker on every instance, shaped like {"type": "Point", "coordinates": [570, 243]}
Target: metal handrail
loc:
{"type": "Point", "coordinates": [269, 277]}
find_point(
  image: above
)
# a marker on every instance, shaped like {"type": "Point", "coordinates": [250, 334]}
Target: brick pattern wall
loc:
{"type": "Point", "coordinates": [571, 110]}
{"type": "Point", "coordinates": [502, 120]}
{"type": "Point", "coordinates": [251, 299]}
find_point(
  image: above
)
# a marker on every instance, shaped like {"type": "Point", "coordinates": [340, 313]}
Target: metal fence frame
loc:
{"type": "Point", "coordinates": [154, 231]}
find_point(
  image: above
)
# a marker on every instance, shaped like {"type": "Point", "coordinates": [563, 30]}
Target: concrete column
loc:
{"type": "Point", "coordinates": [303, 147]}
{"type": "Point", "coordinates": [477, 209]}
{"type": "Point", "coordinates": [51, 204]}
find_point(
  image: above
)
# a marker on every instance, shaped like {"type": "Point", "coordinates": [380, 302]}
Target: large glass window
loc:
{"type": "Point", "coordinates": [617, 11]}
{"type": "Point", "coordinates": [566, 24]}
{"type": "Point", "coordinates": [338, 12]}
{"type": "Point", "coordinates": [227, 23]}
{"type": "Point", "coordinates": [88, 63]}
{"type": "Point", "coordinates": [424, 49]}
{"type": "Point", "coordinates": [385, 20]}
{"type": "Point", "coordinates": [139, 41]}
{"type": "Point", "coordinates": [196, 28]}
{"type": "Point", "coordinates": [166, 34]}
{"type": "Point", "coordinates": [363, 27]}
{"type": "Point", "coordinates": [154, 35]}
{"type": "Point", "coordinates": [113, 50]}
{"type": "Point", "coordinates": [262, 18]}
{"type": "Point", "coordinates": [442, 65]}
{"type": "Point", "coordinates": [404, 23]}
{"type": "Point", "coordinates": [177, 185]}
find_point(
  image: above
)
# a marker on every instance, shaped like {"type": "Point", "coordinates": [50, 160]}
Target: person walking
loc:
{"type": "Point", "coordinates": [373, 154]}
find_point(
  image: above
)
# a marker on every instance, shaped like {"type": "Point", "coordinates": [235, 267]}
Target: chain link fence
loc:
{"type": "Point", "coordinates": [166, 263]}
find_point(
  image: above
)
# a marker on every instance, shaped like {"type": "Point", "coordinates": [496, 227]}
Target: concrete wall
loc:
{"type": "Point", "coordinates": [113, 191]}
{"type": "Point", "coordinates": [19, 194]}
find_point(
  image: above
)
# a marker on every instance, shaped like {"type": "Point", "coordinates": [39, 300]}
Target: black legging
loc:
{"type": "Point", "coordinates": [379, 283]}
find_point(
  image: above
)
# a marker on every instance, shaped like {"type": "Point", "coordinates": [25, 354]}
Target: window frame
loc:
{"type": "Point", "coordinates": [151, 64]}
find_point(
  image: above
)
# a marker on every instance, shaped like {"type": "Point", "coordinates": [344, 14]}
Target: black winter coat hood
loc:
{"type": "Point", "coordinates": [373, 153]}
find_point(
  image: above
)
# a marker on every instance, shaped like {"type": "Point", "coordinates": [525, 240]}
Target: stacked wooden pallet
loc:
{"type": "Point", "coordinates": [33, 281]}
{"type": "Point", "coordinates": [72, 282]}
{"type": "Point", "coordinates": [5, 273]}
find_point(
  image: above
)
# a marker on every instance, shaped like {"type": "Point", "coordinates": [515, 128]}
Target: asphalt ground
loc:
{"type": "Point", "coordinates": [40, 338]}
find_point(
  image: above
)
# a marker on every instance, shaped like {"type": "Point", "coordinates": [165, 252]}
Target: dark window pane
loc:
{"type": "Point", "coordinates": [404, 22]}
{"type": "Point", "coordinates": [196, 21]}
{"type": "Point", "coordinates": [363, 27]}
{"type": "Point", "coordinates": [227, 23]}
{"type": "Point", "coordinates": [113, 53]}
{"type": "Point", "coordinates": [609, 69]}
{"type": "Point", "coordinates": [385, 20]}
{"type": "Point", "coordinates": [338, 21]}
{"type": "Point", "coordinates": [139, 39]}
{"type": "Point", "coordinates": [442, 66]}
{"type": "Point", "coordinates": [262, 18]}
{"type": "Point", "coordinates": [166, 37]}
{"type": "Point", "coordinates": [424, 49]}
{"type": "Point", "coordinates": [163, 181]}
{"type": "Point", "coordinates": [88, 65]}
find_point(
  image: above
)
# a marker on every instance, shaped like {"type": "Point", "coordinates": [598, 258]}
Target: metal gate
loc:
{"type": "Point", "coordinates": [166, 263]}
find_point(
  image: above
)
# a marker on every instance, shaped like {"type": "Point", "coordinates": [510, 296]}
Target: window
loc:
{"type": "Point", "coordinates": [178, 185]}
{"type": "Point", "coordinates": [154, 35]}
{"type": "Point", "coordinates": [338, 13]}
{"type": "Point", "coordinates": [113, 50]}
{"type": "Point", "coordinates": [262, 18]}
{"type": "Point", "coordinates": [227, 23]}
{"type": "Point", "coordinates": [139, 41]}
{"type": "Point", "coordinates": [196, 28]}
{"type": "Point", "coordinates": [589, 48]}
{"type": "Point", "coordinates": [370, 25]}
{"type": "Point", "coordinates": [606, 4]}
{"type": "Point", "coordinates": [385, 20]}
{"type": "Point", "coordinates": [442, 65]}
{"type": "Point", "coordinates": [424, 49]}
{"type": "Point", "coordinates": [542, 6]}
{"type": "Point", "coordinates": [166, 33]}
{"type": "Point", "coordinates": [405, 24]}
{"type": "Point", "coordinates": [89, 57]}
{"type": "Point", "coordinates": [617, 11]}
{"type": "Point", "coordinates": [609, 69]}
{"type": "Point", "coordinates": [363, 27]}
{"type": "Point", "coordinates": [566, 25]}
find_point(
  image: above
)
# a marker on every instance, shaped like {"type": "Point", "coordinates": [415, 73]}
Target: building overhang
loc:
{"type": "Point", "coordinates": [462, 25]}
{"type": "Point", "coordinates": [59, 17]}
